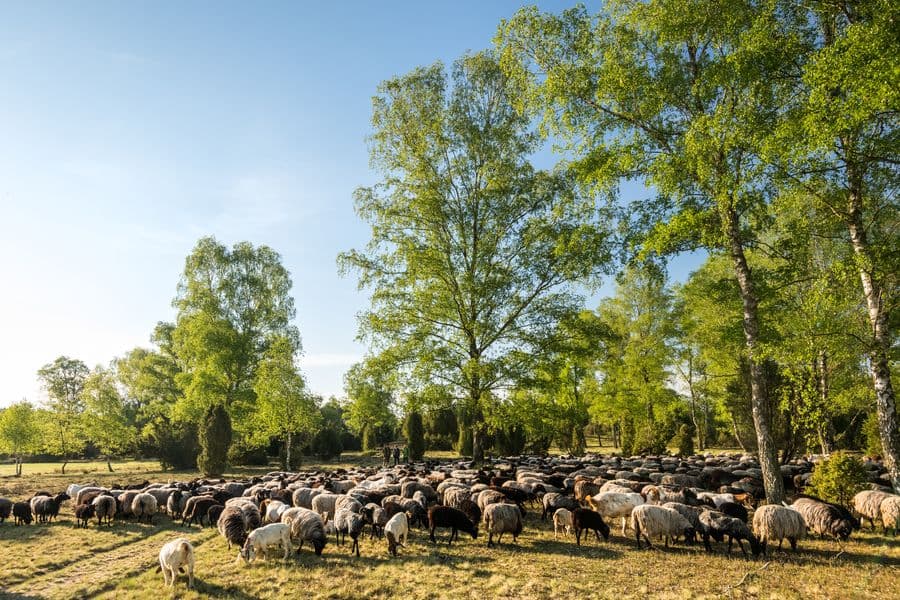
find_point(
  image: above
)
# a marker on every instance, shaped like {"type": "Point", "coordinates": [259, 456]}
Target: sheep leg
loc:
{"type": "Point", "coordinates": [793, 542]}
{"type": "Point", "coordinates": [490, 539]}
{"type": "Point", "coordinates": [741, 546]}
{"type": "Point", "coordinates": [577, 536]}
{"type": "Point", "coordinates": [624, 523]}
{"type": "Point", "coordinates": [191, 576]}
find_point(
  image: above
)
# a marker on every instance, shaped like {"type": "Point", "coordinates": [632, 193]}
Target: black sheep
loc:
{"type": "Point", "coordinates": [46, 508]}
{"type": "Point", "coordinates": [214, 512]}
{"type": "Point", "coordinates": [719, 525]}
{"type": "Point", "coordinates": [231, 526]}
{"type": "Point", "coordinates": [5, 509]}
{"type": "Point", "coordinates": [583, 518]}
{"type": "Point", "coordinates": [197, 510]}
{"type": "Point", "coordinates": [553, 501]}
{"type": "Point", "coordinates": [83, 514]}
{"type": "Point", "coordinates": [733, 509]}
{"type": "Point", "coordinates": [449, 517]}
{"type": "Point", "coordinates": [22, 513]}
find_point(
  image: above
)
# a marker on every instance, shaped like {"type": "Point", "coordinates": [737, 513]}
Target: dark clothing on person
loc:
{"type": "Point", "coordinates": [396, 456]}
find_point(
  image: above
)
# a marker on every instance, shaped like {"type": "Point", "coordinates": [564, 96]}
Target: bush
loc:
{"type": "Point", "coordinates": [369, 438]}
{"type": "Point", "coordinates": [245, 455]}
{"type": "Point", "coordinates": [872, 437]}
{"type": "Point", "coordinates": [463, 445]}
{"type": "Point", "coordinates": [435, 441]}
{"type": "Point", "coordinates": [628, 437]}
{"type": "Point", "coordinates": [510, 441]}
{"type": "Point", "coordinates": [327, 443]}
{"type": "Point", "coordinates": [174, 444]}
{"type": "Point", "coordinates": [685, 440]}
{"type": "Point", "coordinates": [415, 436]}
{"type": "Point", "coordinates": [215, 440]}
{"type": "Point", "coordinates": [838, 479]}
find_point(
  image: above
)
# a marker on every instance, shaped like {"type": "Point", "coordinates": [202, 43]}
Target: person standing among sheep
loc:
{"type": "Point", "coordinates": [396, 455]}
{"type": "Point", "coordinates": [386, 456]}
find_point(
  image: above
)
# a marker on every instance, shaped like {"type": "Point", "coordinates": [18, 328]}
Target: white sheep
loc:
{"type": "Point", "coordinates": [144, 505]}
{"type": "Point", "coordinates": [650, 520]}
{"type": "Point", "coordinates": [303, 497]}
{"type": "Point", "coordinates": [717, 499]}
{"type": "Point", "coordinates": [175, 556]}
{"type": "Point", "coordinates": [890, 513]}
{"type": "Point", "coordinates": [396, 531]}
{"type": "Point", "coordinates": [502, 518]}
{"type": "Point", "coordinates": [562, 518]}
{"type": "Point", "coordinates": [270, 536]}
{"type": "Point", "coordinates": [868, 504]}
{"type": "Point", "coordinates": [323, 504]}
{"type": "Point", "coordinates": [773, 522]}
{"type": "Point", "coordinates": [272, 510]}
{"type": "Point", "coordinates": [614, 505]}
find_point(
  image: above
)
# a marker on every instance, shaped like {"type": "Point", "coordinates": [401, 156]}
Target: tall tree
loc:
{"type": "Point", "coordinates": [841, 145]}
{"type": "Point", "coordinates": [20, 431]}
{"type": "Point", "coordinates": [63, 380]}
{"type": "Point", "coordinates": [107, 421]}
{"type": "Point", "coordinates": [678, 94]}
{"type": "Point", "coordinates": [284, 408]}
{"type": "Point", "coordinates": [474, 253]}
{"type": "Point", "coordinates": [371, 401]}
{"type": "Point", "coordinates": [231, 304]}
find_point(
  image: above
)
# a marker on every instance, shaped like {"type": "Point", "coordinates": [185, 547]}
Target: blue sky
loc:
{"type": "Point", "coordinates": [130, 129]}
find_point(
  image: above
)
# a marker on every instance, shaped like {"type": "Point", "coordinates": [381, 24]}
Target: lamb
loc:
{"type": "Point", "coordinates": [231, 526]}
{"type": "Point", "coordinates": [173, 558]}
{"type": "Point", "coordinates": [502, 518]}
{"type": "Point", "coordinates": [307, 526]}
{"type": "Point", "coordinates": [612, 505]}
{"type": "Point", "coordinates": [772, 522]}
{"type": "Point", "coordinates": [651, 520]}
{"type": "Point", "coordinates": [822, 518]}
{"type": "Point", "coordinates": [144, 505]}
{"type": "Point", "coordinates": [720, 525]}
{"type": "Point", "coordinates": [45, 508]}
{"type": "Point", "coordinates": [198, 508]}
{"type": "Point", "coordinates": [562, 518]}
{"type": "Point", "coordinates": [260, 540]}
{"type": "Point", "coordinates": [583, 518]}
{"type": "Point", "coordinates": [890, 514]}
{"type": "Point", "coordinates": [22, 513]}
{"type": "Point", "coordinates": [348, 522]}
{"type": "Point", "coordinates": [455, 519]}
{"type": "Point", "coordinates": [553, 501]}
{"type": "Point", "coordinates": [375, 516]}
{"type": "Point", "coordinates": [105, 508]}
{"type": "Point", "coordinates": [868, 504]}
{"type": "Point", "coordinates": [83, 514]}
{"type": "Point", "coordinates": [396, 531]}
{"type": "Point", "coordinates": [5, 508]}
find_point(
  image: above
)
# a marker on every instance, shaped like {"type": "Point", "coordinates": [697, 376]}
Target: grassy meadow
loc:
{"type": "Point", "coordinates": [62, 561]}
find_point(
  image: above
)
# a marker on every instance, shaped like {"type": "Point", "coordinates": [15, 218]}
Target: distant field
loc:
{"type": "Point", "coordinates": [61, 561]}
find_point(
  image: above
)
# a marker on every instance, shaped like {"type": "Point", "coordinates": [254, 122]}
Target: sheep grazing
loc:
{"type": "Point", "coordinates": [144, 505]}
{"type": "Point", "coordinates": [303, 497]}
{"type": "Point", "coordinates": [5, 508]}
{"type": "Point", "coordinates": [823, 519]}
{"type": "Point", "coordinates": [83, 514]}
{"type": "Point", "coordinates": [396, 531]}
{"type": "Point", "coordinates": [890, 514]}
{"type": "Point", "coordinates": [452, 518]}
{"type": "Point", "coordinates": [104, 508]}
{"type": "Point", "coordinates": [660, 495]}
{"type": "Point", "coordinates": [553, 501]}
{"type": "Point", "coordinates": [562, 518]}
{"type": "Point", "coordinates": [45, 508]}
{"type": "Point", "coordinates": [692, 514]}
{"type": "Point", "coordinates": [269, 536]}
{"type": "Point", "coordinates": [868, 504]}
{"type": "Point", "coordinates": [271, 510]}
{"type": "Point", "coordinates": [197, 508]}
{"type": "Point", "coordinates": [613, 505]}
{"type": "Point", "coordinates": [733, 509]}
{"type": "Point", "coordinates": [649, 520]}
{"type": "Point", "coordinates": [584, 519]}
{"type": "Point", "coordinates": [375, 516]}
{"type": "Point", "coordinates": [22, 513]}
{"type": "Point", "coordinates": [772, 522]}
{"type": "Point", "coordinates": [231, 526]}
{"type": "Point", "coordinates": [306, 526]}
{"type": "Point", "coordinates": [583, 489]}
{"type": "Point", "coordinates": [324, 505]}
{"type": "Point", "coordinates": [176, 503]}
{"type": "Point", "coordinates": [719, 525]}
{"type": "Point", "coordinates": [502, 518]}
{"type": "Point", "coordinates": [348, 522]}
{"type": "Point", "coordinates": [174, 557]}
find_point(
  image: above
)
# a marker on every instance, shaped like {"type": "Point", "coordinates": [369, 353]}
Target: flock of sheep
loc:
{"type": "Point", "coordinates": [660, 498]}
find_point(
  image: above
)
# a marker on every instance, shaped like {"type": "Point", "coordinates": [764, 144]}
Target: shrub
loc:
{"type": "Point", "coordinates": [510, 441]}
{"type": "Point", "coordinates": [463, 445]}
{"type": "Point", "coordinates": [415, 435]}
{"type": "Point", "coordinates": [838, 479]}
{"type": "Point", "coordinates": [215, 439]}
{"type": "Point", "coordinates": [174, 444]}
{"type": "Point", "coordinates": [685, 440]}
{"type": "Point", "coordinates": [369, 438]}
{"type": "Point", "coordinates": [627, 437]}
{"type": "Point", "coordinates": [327, 443]}
{"type": "Point", "coordinates": [872, 437]}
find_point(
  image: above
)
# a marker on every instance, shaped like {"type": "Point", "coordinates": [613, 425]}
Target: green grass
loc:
{"type": "Point", "coordinates": [61, 561]}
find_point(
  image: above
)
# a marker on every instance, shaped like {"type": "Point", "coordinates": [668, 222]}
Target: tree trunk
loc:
{"type": "Point", "coordinates": [65, 462]}
{"type": "Point", "coordinates": [885, 401]}
{"type": "Point", "coordinates": [18, 466]}
{"type": "Point", "coordinates": [109, 463]}
{"type": "Point", "coordinates": [768, 452]}
{"type": "Point", "coordinates": [287, 452]}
